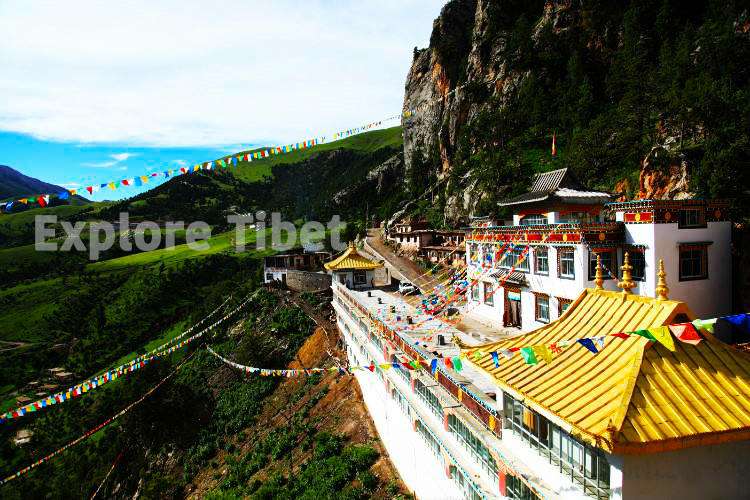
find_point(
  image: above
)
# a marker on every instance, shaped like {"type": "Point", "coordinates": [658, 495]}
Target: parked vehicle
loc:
{"type": "Point", "coordinates": [407, 288]}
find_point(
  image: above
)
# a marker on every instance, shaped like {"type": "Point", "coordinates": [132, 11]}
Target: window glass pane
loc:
{"type": "Point", "coordinates": [608, 264]}
{"type": "Point", "coordinates": [542, 308]}
{"type": "Point", "coordinates": [638, 261]}
{"type": "Point", "coordinates": [567, 263]}
{"type": "Point", "coordinates": [489, 294]}
{"type": "Point", "coordinates": [535, 219]}
{"type": "Point", "coordinates": [542, 260]}
{"type": "Point", "coordinates": [692, 263]}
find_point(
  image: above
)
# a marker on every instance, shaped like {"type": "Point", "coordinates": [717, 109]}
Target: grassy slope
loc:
{"type": "Point", "coordinates": [365, 142]}
{"type": "Point", "coordinates": [27, 303]}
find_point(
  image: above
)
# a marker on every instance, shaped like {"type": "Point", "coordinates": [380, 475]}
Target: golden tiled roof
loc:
{"type": "Point", "coordinates": [634, 396]}
{"type": "Point", "coordinates": [351, 259]}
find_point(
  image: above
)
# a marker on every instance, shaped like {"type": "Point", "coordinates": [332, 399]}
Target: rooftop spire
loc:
{"type": "Point", "coordinates": [599, 277]}
{"type": "Point", "coordinates": [627, 279]}
{"type": "Point", "coordinates": [661, 285]}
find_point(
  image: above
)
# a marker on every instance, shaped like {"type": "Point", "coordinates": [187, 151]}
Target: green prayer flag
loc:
{"type": "Point", "coordinates": [705, 324]}
{"type": "Point", "coordinates": [528, 355]}
{"type": "Point", "coordinates": [457, 364]}
{"type": "Point", "coordinates": [646, 334]}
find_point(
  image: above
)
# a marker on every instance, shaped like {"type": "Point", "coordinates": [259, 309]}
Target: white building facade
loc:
{"type": "Point", "coordinates": [526, 274]}
{"type": "Point", "coordinates": [468, 433]}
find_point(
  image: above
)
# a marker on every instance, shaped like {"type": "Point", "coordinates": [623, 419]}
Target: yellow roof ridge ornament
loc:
{"type": "Point", "coordinates": [599, 277]}
{"type": "Point", "coordinates": [627, 282]}
{"type": "Point", "coordinates": [661, 285]}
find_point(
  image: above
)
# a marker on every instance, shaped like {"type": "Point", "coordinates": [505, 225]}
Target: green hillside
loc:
{"type": "Point", "coordinates": [366, 142]}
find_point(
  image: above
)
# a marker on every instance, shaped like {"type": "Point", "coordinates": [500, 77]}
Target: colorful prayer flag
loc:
{"type": "Point", "coordinates": [705, 324]}
{"type": "Point", "coordinates": [741, 321]}
{"type": "Point", "coordinates": [662, 335]}
{"type": "Point", "coordinates": [554, 144]}
{"type": "Point", "coordinates": [457, 365]}
{"type": "Point", "coordinates": [542, 352]}
{"type": "Point", "coordinates": [646, 334]}
{"type": "Point", "coordinates": [528, 355]}
{"type": "Point", "coordinates": [686, 333]}
{"type": "Point", "coordinates": [588, 344]}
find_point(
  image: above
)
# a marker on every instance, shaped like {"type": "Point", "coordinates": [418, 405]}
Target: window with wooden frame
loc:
{"type": "Point", "coordinates": [566, 262]}
{"type": "Point", "coordinates": [562, 305]}
{"type": "Point", "coordinates": [541, 307]}
{"type": "Point", "coordinates": [489, 293]}
{"type": "Point", "coordinates": [512, 260]}
{"type": "Point", "coordinates": [693, 261]}
{"type": "Point", "coordinates": [609, 262]}
{"type": "Point", "coordinates": [691, 218]}
{"type": "Point", "coordinates": [541, 261]}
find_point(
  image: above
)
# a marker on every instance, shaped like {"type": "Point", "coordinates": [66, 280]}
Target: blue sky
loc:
{"type": "Point", "coordinates": [97, 91]}
{"type": "Point", "coordinates": [75, 166]}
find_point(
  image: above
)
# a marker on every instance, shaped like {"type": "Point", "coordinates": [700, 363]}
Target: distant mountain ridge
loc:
{"type": "Point", "coordinates": [15, 184]}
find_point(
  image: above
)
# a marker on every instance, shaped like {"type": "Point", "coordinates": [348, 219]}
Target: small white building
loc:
{"type": "Point", "coordinates": [353, 270]}
{"type": "Point", "coordinates": [275, 267]}
{"type": "Point", "coordinates": [526, 274]}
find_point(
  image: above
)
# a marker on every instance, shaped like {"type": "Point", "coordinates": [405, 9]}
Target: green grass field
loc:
{"type": "Point", "coordinates": [365, 142]}
{"type": "Point", "coordinates": [223, 242]}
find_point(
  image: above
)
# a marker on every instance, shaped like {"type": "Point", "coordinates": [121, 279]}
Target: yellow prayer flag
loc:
{"type": "Point", "coordinates": [144, 178]}
{"type": "Point", "coordinates": [111, 186]}
{"type": "Point", "coordinates": [542, 352]}
{"type": "Point", "coordinates": [663, 336]}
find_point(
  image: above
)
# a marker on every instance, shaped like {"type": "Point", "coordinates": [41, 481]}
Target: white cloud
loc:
{"type": "Point", "coordinates": [144, 73]}
{"type": "Point", "coordinates": [71, 185]}
{"type": "Point", "coordinates": [122, 156]}
{"type": "Point", "coordinates": [179, 163]}
{"type": "Point", "coordinates": [117, 158]}
{"type": "Point", "coordinates": [101, 164]}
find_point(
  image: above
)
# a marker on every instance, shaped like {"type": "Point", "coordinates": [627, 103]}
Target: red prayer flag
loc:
{"type": "Point", "coordinates": [621, 335]}
{"type": "Point", "coordinates": [125, 182]}
{"type": "Point", "coordinates": [90, 189]}
{"type": "Point", "coordinates": [554, 145]}
{"type": "Point", "coordinates": [42, 201]}
{"type": "Point", "coordinates": [371, 367]}
{"type": "Point", "coordinates": [686, 332]}
{"type": "Point", "coordinates": [448, 363]}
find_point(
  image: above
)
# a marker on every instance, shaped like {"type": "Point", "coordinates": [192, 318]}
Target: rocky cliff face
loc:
{"type": "Point", "coordinates": [471, 66]}
{"type": "Point", "coordinates": [465, 51]}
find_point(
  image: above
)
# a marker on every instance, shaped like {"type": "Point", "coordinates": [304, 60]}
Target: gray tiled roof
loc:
{"type": "Point", "coordinates": [548, 181]}
{"type": "Point", "coordinates": [514, 278]}
{"type": "Point", "coordinates": [560, 185]}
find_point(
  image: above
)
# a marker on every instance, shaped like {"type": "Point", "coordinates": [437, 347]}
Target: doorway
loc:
{"type": "Point", "coordinates": [512, 307]}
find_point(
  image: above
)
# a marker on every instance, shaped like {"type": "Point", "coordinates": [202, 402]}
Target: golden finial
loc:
{"type": "Point", "coordinates": [661, 285]}
{"type": "Point", "coordinates": [599, 277]}
{"type": "Point", "coordinates": [627, 279]}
